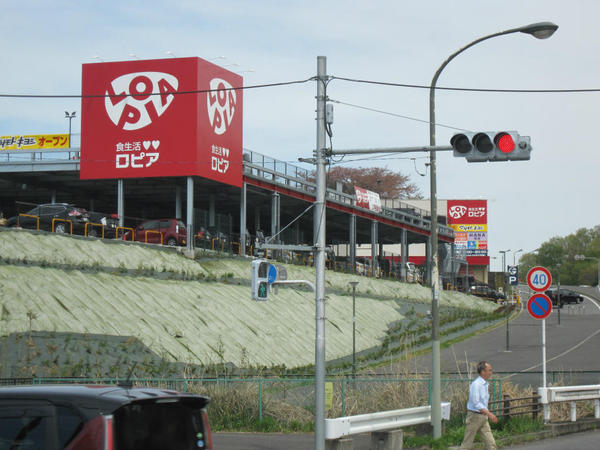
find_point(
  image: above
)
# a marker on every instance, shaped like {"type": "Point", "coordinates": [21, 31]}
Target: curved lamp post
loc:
{"type": "Point", "coordinates": [541, 30]}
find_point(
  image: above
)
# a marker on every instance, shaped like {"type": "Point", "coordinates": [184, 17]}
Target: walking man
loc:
{"type": "Point", "coordinates": [477, 410]}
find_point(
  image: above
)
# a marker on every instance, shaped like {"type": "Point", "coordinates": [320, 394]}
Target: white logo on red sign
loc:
{"type": "Point", "coordinates": [221, 103]}
{"type": "Point", "coordinates": [457, 211]}
{"type": "Point", "coordinates": [129, 101]}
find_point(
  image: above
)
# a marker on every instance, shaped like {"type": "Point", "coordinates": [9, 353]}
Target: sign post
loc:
{"type": "Point", "coordinates": [539, 305]}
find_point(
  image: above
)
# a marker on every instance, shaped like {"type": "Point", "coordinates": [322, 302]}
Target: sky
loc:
{"type": "Point", "coordinates": [554, 194]}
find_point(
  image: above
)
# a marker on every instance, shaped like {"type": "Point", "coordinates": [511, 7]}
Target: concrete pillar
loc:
{"type": "Point", "coordinates": [352, 252]}
{"type": "Point", "coordinates": [121, 202]}
{"type": "Point", "coordinates": [374, 241]}
{"type": "Point", "coordinates": [190, 213]}
{"type": "Point", "coordinates": [211, 210]}
{"type": "Point", "coordinates": [275, 216]}
{"type": "Point", "coordinates": [339, 444]}
{"type": "Point", "coordinates": [243, 220]}
{"type": "Point", "coordinates": [178, 214]}
{"type": "Point", "coordinates": [257, 219]}
{"type": "Point", "coordinates": [404, 255]}
{"type": "Point", "coordinates": [386, 440]}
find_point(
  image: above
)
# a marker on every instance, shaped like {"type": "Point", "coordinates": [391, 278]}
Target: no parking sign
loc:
{"type": "Point", "coordinates": [539, 306]}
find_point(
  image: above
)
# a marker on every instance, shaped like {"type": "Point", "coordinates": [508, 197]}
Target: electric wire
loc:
{"type": "Point", "coordinates": [466, 89]}
{"type": "Point", "coordinates": [396, 115]}
{"type": "Point", "coordinates": [123, 95]}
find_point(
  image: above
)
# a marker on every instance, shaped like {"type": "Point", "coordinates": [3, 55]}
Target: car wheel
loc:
{"type": "Point", "coordinates": [60, 228]}
{"type": "Point", "coordinates": [171, 242]}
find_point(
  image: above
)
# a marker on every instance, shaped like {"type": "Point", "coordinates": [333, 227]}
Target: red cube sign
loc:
{"type": "Point", "coordinates": [161, 118]}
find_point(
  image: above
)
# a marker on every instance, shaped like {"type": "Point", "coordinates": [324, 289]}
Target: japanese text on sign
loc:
{"type": "Point", "coordinates": [34, 142]}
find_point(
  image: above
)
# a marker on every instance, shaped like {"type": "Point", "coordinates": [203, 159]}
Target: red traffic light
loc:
{"type": "Point", "coordinates": [504, 142]}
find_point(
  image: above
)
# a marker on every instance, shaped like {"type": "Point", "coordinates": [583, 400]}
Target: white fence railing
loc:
{"type": "Point", "coordinates": [570, 394]}
{"type": "Point", "coordinates": [380, 421]}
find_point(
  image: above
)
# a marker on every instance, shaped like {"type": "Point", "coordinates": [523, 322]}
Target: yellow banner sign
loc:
{"type": "Point", "coordinates": [34, 142]}
{"type": "Point", "coordinates": [469, 228]}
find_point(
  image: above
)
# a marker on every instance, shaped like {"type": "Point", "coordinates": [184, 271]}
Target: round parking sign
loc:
{"type": "Point", "coordinates": [539, 279]}
{"type": "Point", "coordinates": [539, 306]}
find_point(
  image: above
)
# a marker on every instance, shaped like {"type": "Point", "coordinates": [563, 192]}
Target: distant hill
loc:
{"type": "Point", "coordinates": [73, 306]}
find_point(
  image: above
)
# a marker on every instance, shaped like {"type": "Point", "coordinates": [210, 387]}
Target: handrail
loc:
{"type": "Point", "coordinates": [125, 228]}
{"type": "Point", "coordinates": [57, 219]}
{"type": "Point", "coordinates": [155, 232]}
{"type": "Point", "coordinates": [28, 215]}
{"type": "Point", "coordinates": [85, 232]}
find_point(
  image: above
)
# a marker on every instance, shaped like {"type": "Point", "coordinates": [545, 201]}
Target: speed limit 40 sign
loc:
{"type": "Point", "coordinates": [539, 279]}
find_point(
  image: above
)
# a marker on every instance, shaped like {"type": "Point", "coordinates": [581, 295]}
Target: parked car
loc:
{"type": "Point", "coordinates": [75, 417]}
{"type": "Point", "coordinates": [566, 296]}
{"type": "Point", "coordinates": [109, 221]}
{"type": "Point", "coordinates": [173, 232]}
{"type": "Point", "coordinates": [49, 211]}
{"type": "Point", "coordinates": [486, 291]}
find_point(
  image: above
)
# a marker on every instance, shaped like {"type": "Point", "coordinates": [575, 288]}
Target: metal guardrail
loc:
{"type": "Point", "coordinates": [572, 394]}
{"type": "Point", "coordinates": [295, 178]}
{"type": "Point", "coordinates": [380, 421]}
{"type": "Point", "coordinates": [255, 165]}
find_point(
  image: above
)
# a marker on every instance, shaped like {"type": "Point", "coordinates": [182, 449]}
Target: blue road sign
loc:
{"type": "Point", "coordinates": [539, 306]}
{"type": "Point", "coordinates": [272, 276]}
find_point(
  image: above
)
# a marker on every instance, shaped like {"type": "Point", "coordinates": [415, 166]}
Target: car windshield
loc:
{"type": "Point", "coordinates": [158, 426]}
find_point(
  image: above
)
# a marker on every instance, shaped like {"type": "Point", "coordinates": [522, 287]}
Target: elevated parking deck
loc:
{"type": "Point", "coordinates": [41, 176]}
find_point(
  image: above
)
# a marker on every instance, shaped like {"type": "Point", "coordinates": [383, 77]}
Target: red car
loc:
{"type": "Point", "coordinates": [93, 417]}
{"type": "Point", "coordinates": [160, 231]}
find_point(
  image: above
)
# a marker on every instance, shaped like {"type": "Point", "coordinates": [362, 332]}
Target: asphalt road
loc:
{"type": "Point", "coordinates": [589, 440]}
{"type": "Point", "coordinates": [568, 345]}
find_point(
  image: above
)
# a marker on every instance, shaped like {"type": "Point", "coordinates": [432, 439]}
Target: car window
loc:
{"type": "Point", "coordinates": [35, 211]}
{"type": "Point", "coordinates": [157, 426]}
{"type": "Point", "coordinates": [150, 225]}
{"type": "Point", "coordinates": [69, 423]}
{"type": "Point", "coordinates": [53, 210]}
{"type": "Point", "coordinates": [181, 224]}
{"type": "Point", "coordinates": [25, 427]}
{"type": "Point", "coordinates": [164, 223]}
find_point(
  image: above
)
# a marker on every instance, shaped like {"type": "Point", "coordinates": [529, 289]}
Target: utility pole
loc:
{"type": "Point", "coordinates": [319, 237]}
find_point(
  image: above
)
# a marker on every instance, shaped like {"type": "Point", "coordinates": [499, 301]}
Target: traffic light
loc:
{"type": "Point", "coordinates": [491, 146]}
{"type": "Point", "coordinates": [260, 279]}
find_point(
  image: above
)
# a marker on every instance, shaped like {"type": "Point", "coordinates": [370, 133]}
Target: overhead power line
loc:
{"type": "Point", "coordinates": [396, 115]}
{"type": "Point", "coordinates": [441, 88]}
{"type": "Point", "coordinates": [199, 91]}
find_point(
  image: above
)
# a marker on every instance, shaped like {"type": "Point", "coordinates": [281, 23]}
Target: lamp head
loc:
{"type": "Point", "coordinates": [540, 30]}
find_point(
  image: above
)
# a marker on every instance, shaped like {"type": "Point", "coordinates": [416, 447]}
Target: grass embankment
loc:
{"type": "Point", "coordinates": [60, 295]}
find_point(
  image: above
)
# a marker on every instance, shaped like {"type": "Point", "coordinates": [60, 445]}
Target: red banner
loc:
{"type": "Point", "coordinates": [161, 118]}
{"type": "Point", "coordinates": [367, 199]}
{"type": "Point", "coordinates": [467, 212]}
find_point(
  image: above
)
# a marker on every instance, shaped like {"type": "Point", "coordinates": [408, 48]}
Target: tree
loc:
{"type": "Point", "coordinates": [387, 183]}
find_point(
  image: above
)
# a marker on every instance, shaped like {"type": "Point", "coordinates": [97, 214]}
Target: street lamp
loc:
{"type": "Point", "coordinates": [353, 284]}
{"type": "Point", "coordinates": [582, 257]}
{"type": "Point", "coordinates": [515, 256]}
{"type": "Point", "coordinates": [70, 117]}
{"type": "Point", "coordinates": [541, 30]}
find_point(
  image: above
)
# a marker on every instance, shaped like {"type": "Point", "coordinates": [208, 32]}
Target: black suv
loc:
{"type": "Point", "coordinates": [75, 417]}
{"type": "Point", "coordinates": [566, 296]}
{"type": "Point", "coordinates": [64, 213]}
